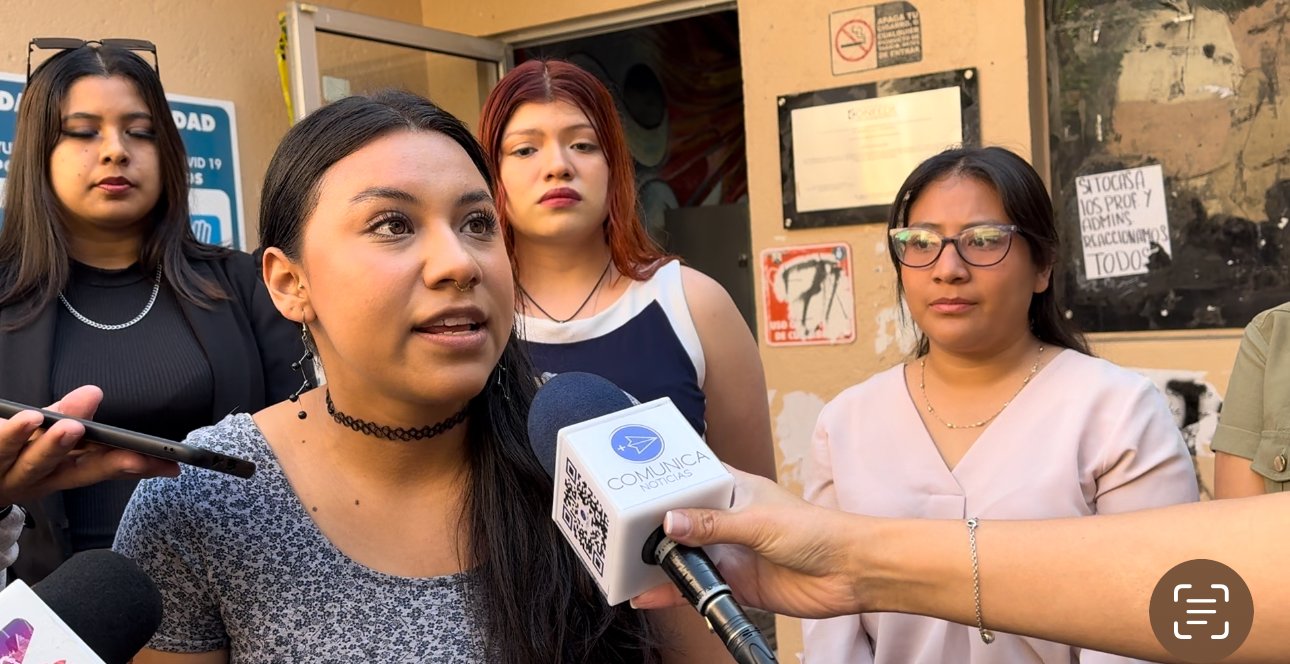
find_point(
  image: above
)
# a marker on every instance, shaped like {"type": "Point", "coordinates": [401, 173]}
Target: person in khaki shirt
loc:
{"type": "Point", "coordinates": [1252, 443]}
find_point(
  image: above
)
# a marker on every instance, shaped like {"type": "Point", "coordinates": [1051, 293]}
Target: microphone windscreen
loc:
{"type": "Point", "coordinates": [106, 600]}
{"type": "Point", "coordinates": [565, 399]}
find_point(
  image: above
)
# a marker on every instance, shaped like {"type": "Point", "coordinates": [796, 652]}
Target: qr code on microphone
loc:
{"type": "Point", "coordinates": [585, 517]}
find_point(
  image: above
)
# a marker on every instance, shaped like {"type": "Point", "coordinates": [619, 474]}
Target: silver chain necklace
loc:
{"type": "Point", "coordinates": [156, 287]}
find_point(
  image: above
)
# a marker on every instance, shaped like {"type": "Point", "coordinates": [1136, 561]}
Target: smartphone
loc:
{"type": "Point", "coordinates": [142, 442]}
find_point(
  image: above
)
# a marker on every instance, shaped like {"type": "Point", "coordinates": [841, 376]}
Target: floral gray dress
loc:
{"type": "Point", "coordinates": [242, 566]}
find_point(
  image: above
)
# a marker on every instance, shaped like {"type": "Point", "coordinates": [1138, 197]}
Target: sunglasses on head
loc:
{"type": "Point", "coordinates": [70, 43]}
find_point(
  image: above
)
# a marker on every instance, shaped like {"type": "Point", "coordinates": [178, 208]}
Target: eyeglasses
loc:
{"type": "Point", "coordinates": [69, 43]}
{"type": "Point", "coordinates": [979, 246]}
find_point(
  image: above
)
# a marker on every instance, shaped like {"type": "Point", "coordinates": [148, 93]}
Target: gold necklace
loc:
{"type": "Point", "coordinates": [922, 386]}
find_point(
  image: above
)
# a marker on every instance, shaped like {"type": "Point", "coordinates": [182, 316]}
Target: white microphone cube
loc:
{"type": "Point", "coordinates": [615, 478]}
{"type": "Point", "coordinates": [31, 631]}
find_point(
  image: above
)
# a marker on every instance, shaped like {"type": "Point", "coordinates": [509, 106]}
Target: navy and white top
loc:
{"type": "Point", "coordinates": [645, 343]}
{"type": "Point", "coordinates": [241, 565]}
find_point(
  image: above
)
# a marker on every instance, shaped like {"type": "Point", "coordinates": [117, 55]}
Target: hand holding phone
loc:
{"type": "Point", "coordinates": [36, 462]}
{"type": "Point", "coordinates": [140, 442]}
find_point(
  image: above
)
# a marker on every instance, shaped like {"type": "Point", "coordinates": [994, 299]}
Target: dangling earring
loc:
{"type": "Point", "coordinates": [300, 365]}
{"type": "Point", "coordinates": [501, 385]}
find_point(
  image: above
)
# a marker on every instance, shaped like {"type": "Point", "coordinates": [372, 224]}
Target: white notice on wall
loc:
{"type": "Point", "coordinates": [1122, 220]}
{"type": "Point", "coordinates": [857, 153]}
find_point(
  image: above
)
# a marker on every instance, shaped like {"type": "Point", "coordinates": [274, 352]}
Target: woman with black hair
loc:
{"type": "Point", "coordinates": [103, 283]}
{"type": "Point", "coordinates": [397, 513]}
{"type": "Point", "coordinates": [1002, 413]}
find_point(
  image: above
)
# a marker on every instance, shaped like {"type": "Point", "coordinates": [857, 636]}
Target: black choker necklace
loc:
{"type": "Point", "coordinates": [395, 433]}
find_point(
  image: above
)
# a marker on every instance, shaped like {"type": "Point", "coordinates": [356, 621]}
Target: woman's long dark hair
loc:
{"type": "Point", "coordinates": [535, 602]}
{"type": "Point", "coordinates": [33, 246]}
{"type": "Point", "coordinates": [1026, 202]}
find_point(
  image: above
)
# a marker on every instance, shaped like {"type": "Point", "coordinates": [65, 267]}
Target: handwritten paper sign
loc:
{"type": "Point", "coordinates": [1122, 221]}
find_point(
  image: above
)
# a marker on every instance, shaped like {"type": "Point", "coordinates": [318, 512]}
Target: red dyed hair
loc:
{"type": "Point", "coordinates": [634, 252]}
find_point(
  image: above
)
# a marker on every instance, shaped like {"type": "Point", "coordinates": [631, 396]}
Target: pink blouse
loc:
{"type": "Point", "coordinates": [1084, 437]}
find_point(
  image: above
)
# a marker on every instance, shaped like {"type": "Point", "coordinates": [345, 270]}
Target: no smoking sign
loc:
{"type": "Point", "coordinates": [874, 36]}
{"type": "Point", "coordinates": [854, 40]}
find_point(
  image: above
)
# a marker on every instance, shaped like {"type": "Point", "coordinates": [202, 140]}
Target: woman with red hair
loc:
{"type": "Point", "coordinates": [595, 293]}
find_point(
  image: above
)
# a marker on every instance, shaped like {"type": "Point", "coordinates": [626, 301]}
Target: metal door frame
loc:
{"type": "Point", "coordinates": [305, 21]}
{"type": "Point", "coordinates": [623, 19]}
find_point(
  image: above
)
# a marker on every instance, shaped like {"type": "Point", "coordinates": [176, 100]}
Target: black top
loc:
{"type": "Point", "coordinates": [154, 377]}
{"type": "Point", "coordinates": [247, 345]}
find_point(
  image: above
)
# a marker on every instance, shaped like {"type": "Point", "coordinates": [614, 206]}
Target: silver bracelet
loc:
{"type": "Point", "coordinates": [986, 635]}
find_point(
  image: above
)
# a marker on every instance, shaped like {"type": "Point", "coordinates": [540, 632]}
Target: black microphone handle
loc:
{"type": "Point", "coordinates": [701, 584]}
{"type": "Point", "coordinates": [742, 638]}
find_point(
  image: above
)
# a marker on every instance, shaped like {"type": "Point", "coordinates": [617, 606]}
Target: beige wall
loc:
{"type": "Point", "coordinates": [221, 49]}
{"type": "Point", "coordinates": [1211, 352]}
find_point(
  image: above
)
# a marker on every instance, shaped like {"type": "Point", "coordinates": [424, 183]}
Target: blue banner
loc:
{"type": "Point", "coordinates": [208, 128]}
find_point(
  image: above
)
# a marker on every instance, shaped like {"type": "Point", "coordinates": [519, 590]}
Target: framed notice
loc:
{"type": "Point", "coordinates": [844, 152]}
{"type": "Point", "coordinates": [807, 295]}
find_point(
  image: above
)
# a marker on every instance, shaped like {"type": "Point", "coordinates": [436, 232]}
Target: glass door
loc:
{"type": "Point", "coordinates": [334, 53]}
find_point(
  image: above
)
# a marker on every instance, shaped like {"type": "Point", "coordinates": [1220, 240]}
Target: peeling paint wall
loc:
{"type": "Point", "coordinates": [1195, 404]}
{"type": "Point", "coordinates": [1199, 88]}
{"type": "Point", "coordinates": [794, 423]}
{"type": "Point", "coordinates": [896, 331]}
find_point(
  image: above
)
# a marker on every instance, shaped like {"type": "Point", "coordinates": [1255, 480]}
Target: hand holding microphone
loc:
{"type": "Point", "coordinates": [778, 552]}
{"type": "Point", "coordinates": [618, 468]}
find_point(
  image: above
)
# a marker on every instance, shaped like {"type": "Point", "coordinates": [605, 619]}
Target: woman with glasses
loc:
{"type": "Point", "coordinates": [102, 282]}
{"type": "Point", "coordinates": [1002, 413]}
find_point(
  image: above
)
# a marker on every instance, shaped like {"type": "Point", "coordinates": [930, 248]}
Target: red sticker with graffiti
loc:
{"type": "Point", "coordinates": [808, 296]}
